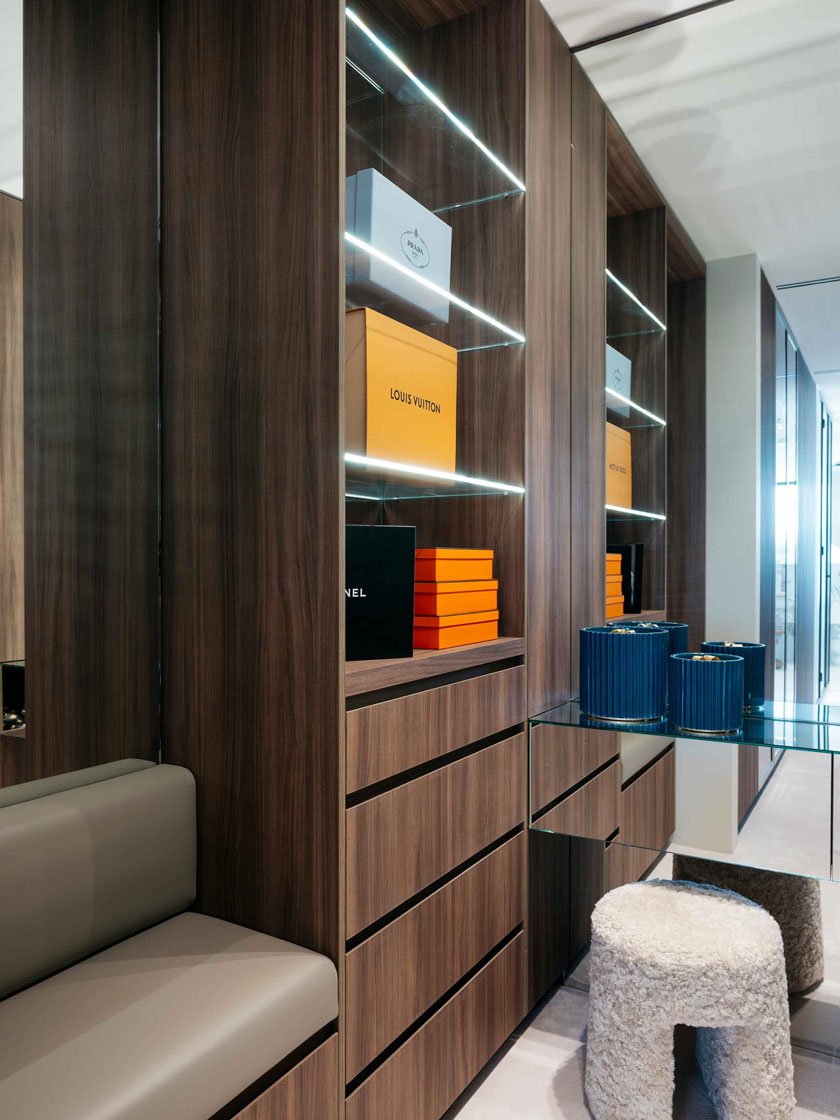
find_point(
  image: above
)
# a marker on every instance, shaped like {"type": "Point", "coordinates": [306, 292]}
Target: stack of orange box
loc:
{"type": "Point", "coordinates": [615, 598]}
{"type": "Point", "coordinates": [456, 599]}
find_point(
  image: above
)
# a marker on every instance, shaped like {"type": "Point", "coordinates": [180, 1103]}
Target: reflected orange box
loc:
{"type": "Point", "coordinates": [614, 610]}
{"type": "Point", "coordinates": [401, 391]}
{"type": "Point", "coordinates": [455, 630]}
{"type": "Point", "coordinates": [613, 563]}
{"type": "Point", "coordinates": [457, 597]}
{"type": "Point", "coordinates": [619, 468]}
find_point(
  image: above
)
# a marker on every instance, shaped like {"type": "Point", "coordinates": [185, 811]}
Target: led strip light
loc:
{"type": "Point", "coordinates": [424, 89]}
{"type": "Point", "coordinates": [429, 472]}
{"type": "Point", "coordinates": [636, 512]}
{"type": "Point", "coordinates": [351, 239]}
{"type": "Point", "coordinates": [638, 407]}
{"type": "Point", "coordinates": [635, 299]}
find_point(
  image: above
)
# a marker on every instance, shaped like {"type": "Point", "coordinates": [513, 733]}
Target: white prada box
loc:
{"type": "Point", "coordinates": [619, 369]}
{"type": "Point", "coordinates": [382, 215]}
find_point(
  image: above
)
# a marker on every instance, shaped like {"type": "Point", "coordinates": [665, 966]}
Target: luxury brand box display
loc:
{"type": "Point", "coordinates": [395, 224]}
{"type": "Point", "coordinates": [619, 468]}
{"type": "Point", "coordinates": [401, 392]}
{"type": "Point", "coordinates": [455, 598]}
{"type": "Point", "coordinates": [379, 591]}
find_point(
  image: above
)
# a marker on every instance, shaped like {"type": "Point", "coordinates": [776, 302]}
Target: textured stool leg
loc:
{"type": "Point", "coordinates": [629, 1070]}
{"type": "Point", "coordinates": [748, 1071]}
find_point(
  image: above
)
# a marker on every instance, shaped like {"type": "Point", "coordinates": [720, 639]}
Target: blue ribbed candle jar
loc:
{"type": "Point", "coordinates": [679, 635]}
{"type": "Point", "coordinates": [754, 655]}
{"type": "Point", "coordinates": [623, 672]}
{"type": "Point", "coordinates": [707, 692]}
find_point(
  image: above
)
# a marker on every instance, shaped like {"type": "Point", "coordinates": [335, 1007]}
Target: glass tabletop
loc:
{"type": "Point", "coordinates": [801, 727]}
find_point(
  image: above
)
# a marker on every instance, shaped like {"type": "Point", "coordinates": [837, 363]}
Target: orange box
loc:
{"type": "Point", "coordinates": [619, 468]}
{"type": "Point", "coordinates": [456, 598]}
{"type": "Point", "coordinates": [614, 585]}
{"type": "Point", "coordinates": [444, 565]}
{"type": "Point", "coordinates": [401, 392]}
{"type": "Point", "coordinates": [614, 610]}
{"type": "Point", "coordinates": [613, 563]}
{"type": "Point", "coordinates": [455, 630]}
{"type": "Point", "coordinates": [613, 599]}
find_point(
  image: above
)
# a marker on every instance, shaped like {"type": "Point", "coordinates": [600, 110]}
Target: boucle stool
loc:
{"type": "Point", "coordinates": [665, 953]}
{"type": "Point", "coordinates": [793, 900]}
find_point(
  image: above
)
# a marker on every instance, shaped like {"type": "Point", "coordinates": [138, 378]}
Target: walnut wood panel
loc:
{"type": "Point", "coordinates": [436, 1064]}
{"type": "Point", "coordinates": [767, 546]}
{"type": "Point", "coordinates": [416, 15]}
{"type": "Point", "coordinates": [394, 976]}
{"type": "Point", "coordinates": [747, 779]}
{"type": "Point", "coordinates": [548, 328]}
{"type": "Point", "coordinates": [252, 444]}
{"type": "Point", "coordinates": [685, 261]}
{"type": "Point", "coordinates": [563, 756]}
{"type": "Point", "coordinates": [12, 642]}
{"type": "Point", "coordinates": [308, 1090]}
{"type": "Point", "coordinates": [91, 302]}
{"type": "Point", "coordinates": [589, 325]}
{"type": "Point", "coordinates": [402, 840]}
{"type": "Point", "coordinates": [624, 864]}
{"type": "Point", "coordinates": [369, 676]}
{"type": "Point", "coordinates": [591, 812]}
{"type": "Point", "coordinates": [12, 751]}
{"type": "Point", "coordinates": [648, 805]}
{"type": "Point", "coordinates": [629, 187]}
{"type": "Point", "coordinates": [586, 887]}
{"type": "Point", "coordinates": [548, 911]}
{"type": "Point", "coordinates": [384, 739]}
{"type": "Point", "coordinates": [686, 559]}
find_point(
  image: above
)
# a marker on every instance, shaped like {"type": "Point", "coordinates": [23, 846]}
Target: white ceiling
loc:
{"type": "Point", "coordinates": [735, 111]}
{"type": "Point", "coordinates": [583, 22]}
{"type": "Point", "coordinates": [11, 96]}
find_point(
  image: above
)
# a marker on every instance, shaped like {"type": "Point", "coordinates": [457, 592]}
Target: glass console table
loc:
{"type": "Point", "coordinates": [763, 797]}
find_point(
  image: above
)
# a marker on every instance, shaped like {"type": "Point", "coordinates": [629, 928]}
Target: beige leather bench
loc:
{"type": "Point", "coordinates": [119, 1004]}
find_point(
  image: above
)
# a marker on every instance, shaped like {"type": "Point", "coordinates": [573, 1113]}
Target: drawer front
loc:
{"type": "Point", "coordinates": [425, 1075]}
{"type": "Point", "coordinates": [385, 739]}
{"type": "Point", "coordinates": [591, 811]}
{"type": "Point", "coordinates": [648, 805]}
{"type": "Point", "coordinates": [309, 1089]}
{"type": "Point", "coordinates": [563, 756]}
{"type": "Point", "coordinates": [402, 840]}
{"type": "Point", "coordinates": [625, 865]}
{"type": "Point", "coordinates": [394, 976]}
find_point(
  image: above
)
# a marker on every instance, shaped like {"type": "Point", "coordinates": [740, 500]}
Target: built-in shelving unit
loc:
{"type": "Point", "coordinates": [369, 676]}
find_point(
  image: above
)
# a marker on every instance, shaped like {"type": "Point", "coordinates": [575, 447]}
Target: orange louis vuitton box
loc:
{"type": "Point", "coordinates": [614, 585]}
{"type": "Point", "coordinates": [619, 469]}
{"type": "Point", "coordinates": [613, 563]}
{"type": "Point", "coordinates": [453, 564]}
{"type": "Point", "coordinates": [456, 597]}
{"type": "Point", "coordinates": [455, 630]}
{"type": "Point", "coordinates": [401, 392]}
{"type": "Point", "coordinates": [614, 610]}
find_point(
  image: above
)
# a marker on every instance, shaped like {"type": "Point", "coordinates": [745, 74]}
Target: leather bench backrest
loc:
{"type": "Point", "coordinates": [42, 787]}
{"type": "Point", "coordinates": [89, 866]}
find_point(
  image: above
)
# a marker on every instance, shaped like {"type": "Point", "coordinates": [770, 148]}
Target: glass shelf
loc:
{"type": "Point", "coordinates": [389, 108]}
{"type": "Point", "coordinates": [617, 513]}
{"type": "Point", "coordinates": [376, 480]}
{"type": "Point", "coordinates": [799, 727]}
{"type": "Point", "coordinates": [626, 314]}
{"type": "Point", "coordinates": [629, 415]}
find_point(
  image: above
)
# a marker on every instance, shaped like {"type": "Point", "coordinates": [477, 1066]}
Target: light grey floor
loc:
{"type": "Point", "coordinates": [539, 1074]}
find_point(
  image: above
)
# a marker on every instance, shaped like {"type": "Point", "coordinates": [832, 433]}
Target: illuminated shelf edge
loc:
{"type": "Point", "coordinates": [414, 471]}
{"type": "Point", "coordinates": [635, 299]}
{"type": "Point", "coordinates": [632, 404]}
{"type": "Point", "coordinates": [636, 513]}
{"type": "Point", "coordinates": [433, 97]}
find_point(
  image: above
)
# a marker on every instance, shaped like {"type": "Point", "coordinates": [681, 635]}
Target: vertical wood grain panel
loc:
{"type": "Point", "coordinates": [12, 643]}
{"type": "Point", "coordinates": [308, 1090]}
{"type": "Point", "coordinates": [767, 581]}
{"type": "Point", "coordinates": [589, 258]}
{"type": "Point", "coordinates": [548, 452]}
{"type": "Point", "coordinates": [90, 382]}
{"type": "Point", "coordinates": [686, 558]}
{"type": "Point", "coordinates": [252, 506]}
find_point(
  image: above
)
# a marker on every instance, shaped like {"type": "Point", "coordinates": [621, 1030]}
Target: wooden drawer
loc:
{"type": "Point", "coordinates": [648, 805]}
{"type": "Point", "coordinates": [309, 1089]}
{"type": "Point", "coordinates": [425, 1075]}
{"type": "Point", "coordinates": [387, 738]}
{"type": "Point", "coordinates": [563, 756]}
{"type": "Point", "coordinates": [625, 865]}
{"type": "Point", "coordinates": [402, 840]}
{"type": "Point", "coordinates": [591, 811]}
{"type": "Point", "coordinates": [399, 972]}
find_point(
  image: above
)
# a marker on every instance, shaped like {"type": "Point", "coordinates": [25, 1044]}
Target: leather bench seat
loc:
{"type": "Point", "coordinates": [170, 1024]}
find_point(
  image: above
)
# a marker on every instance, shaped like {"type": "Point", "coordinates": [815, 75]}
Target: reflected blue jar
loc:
{"type": "Point", "coordinates": [623, 672]}
{"type": "Point", "coordinates": [754, 655]}
{"type": "Point", "coordinates": [707, 692]}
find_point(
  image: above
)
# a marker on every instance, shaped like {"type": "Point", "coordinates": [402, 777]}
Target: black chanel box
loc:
{"type": "Point", "coordinates": [379, 591]}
